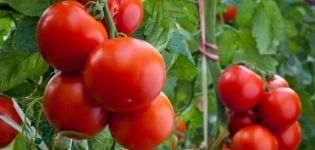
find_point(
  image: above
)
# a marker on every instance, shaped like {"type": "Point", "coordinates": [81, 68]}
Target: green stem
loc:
{"type": "Point", "coordinates": [215, 69]}
{"type": "Point", "coordinates": [110, 25]}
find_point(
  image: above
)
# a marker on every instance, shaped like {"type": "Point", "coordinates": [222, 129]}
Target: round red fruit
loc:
{"type": "Point", "coordinates": [289, 138]}
{"type": "Point", "coordinates": [146, 128]}
{"type": "Point", "coordinates": [180, 128]}
{"type": "Point", "coordinates": [277, 82]}
{"type": "Point", "coordinates": [241, 120]}
{"type": "Point", "coordinates": [254, 137]}
{"type": "Point", "coordinates": [230, 13]}
{"type": "Point", "coordinates": [68, 107]}
{"type": "Point", "coordinates": [279, 108]}
{"type": "Point", "coordinates": [124, 74]}
{"type": "Point", "coordinates": [7, 133]}
{"type": "Point", "coordinates": [66, 34]}
{"type": "Point", "coordinates": [240, 89]}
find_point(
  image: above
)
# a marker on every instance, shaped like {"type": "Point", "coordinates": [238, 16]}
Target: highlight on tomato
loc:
{"type": "Point", "coordinates": [68, 107]}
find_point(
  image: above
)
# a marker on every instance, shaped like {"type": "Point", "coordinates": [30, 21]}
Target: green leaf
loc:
{"type": "Point", "coordinates": [29, 7]}
{"type": "Point", "coordinates": [170, 85]}
{"type": "Point", "coordinates": [227, 43]}
{"type": "Point", "coordinates": [162, 19]}
{"type": "Point", "coordinates": [5, 28]}
{"type": "Point", "coordinates": [267, 27]}
{"type": "Point", "coordinates": [25, 36]}
{"type": "Point", "coordinates": [245, 11]}
{"type": "Point", "coordinates": [263, 62]}
{"type": "Point", "coordinates": [179, 46]}
{"type": "Point", "coordinates": [16, 68]}
{"type": "Point", "coordinates": [182, 68]}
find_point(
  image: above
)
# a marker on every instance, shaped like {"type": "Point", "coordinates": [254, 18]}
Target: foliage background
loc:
{"type": "Point", "coordinates": [273, 35]}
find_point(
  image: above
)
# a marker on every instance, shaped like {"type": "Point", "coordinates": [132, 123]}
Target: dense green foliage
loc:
{"type": "Point", "coordinates": [275, 36]}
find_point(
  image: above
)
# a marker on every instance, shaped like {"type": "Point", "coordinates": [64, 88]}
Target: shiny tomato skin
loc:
{"type": "Point", "coordinates": [127, 14]}
{"type": "Point", "coordinates": [230, 13]}
{"type": "Point", "coordinates": [240, 89]}
{"type": "Point", "coordinates": [66, 34]}
{"type": "Point", "coordinates": [277, 82]}
{"type": "Point", "coordinates": [7, 133]}
{"type": "Point", "coordinates": [124, 74]}
{"type": "Point", "coordinates": [289, 138]}
{"type": "Point", "coordinates": [254, 137]}
{"type": "Point", "coordinates": [240, 120]}
{"type": "Point", "coordinates": [279, 108]}
{"type": "Point", "coordinates": [68, 107]}
{"type": "Point", "coordinates": [146, 128]}
{"type": "Point", "coordinates": [180, 127]}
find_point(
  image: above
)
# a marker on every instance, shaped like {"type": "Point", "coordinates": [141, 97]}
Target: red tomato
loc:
{"type": "Point", "coordinates": [230, 13]}
{"type": "Point", "coordinates": [277, 82]}
{"type": "Point", "coordinates": [289, 138]}
{"type": "Point", "coordinates": [254, 137]}
{"type": "Point", "coordinates": [240, 89]}
{"type": "Point", "coordinates": [126, 14]}
{"type": "Point", "coordinates": [241, 120]}
{"type": "Point", "coordinates": [225, 147]}
{"type": "Point", "coordinates": [146, 128]}
{"type": "Point", "coordinates": [280, 108]}
{"type": "Point", "coordinates": [124, 74]}
{"type": "Point", "coordinates": [66, 34]}
{"type": "Point", "coordinates": [180, 127]}
{"type": "Point", "coordinates": [68, 107]}
{"type": "Point", "coordinates": [7, 133]}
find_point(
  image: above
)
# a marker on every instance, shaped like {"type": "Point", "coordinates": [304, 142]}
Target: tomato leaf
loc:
{"type": "Point", "coordinates": [16, 68]}
{"type": "Point", "coordinates": [182, 68]}
{"type": "Point", "coordinates": [267, 27]}
{"type": "Point", "coordinates": [25, 36]}
{"type": "Point", "coordinates": [29, 7]}
{"type": "Point", "coordinates": [170, 85]}
{"type": "Point", "coordinates": [179, 46]}
{"type": "Point", "coordinates": [162, 19]}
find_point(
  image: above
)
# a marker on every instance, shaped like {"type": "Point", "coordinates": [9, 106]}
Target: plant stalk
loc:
{"type": "Point", "coordinates": [110, 25]}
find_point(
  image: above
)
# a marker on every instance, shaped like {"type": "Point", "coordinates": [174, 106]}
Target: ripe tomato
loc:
{"type": "Point", "coordinates": [230, 13]}
{"type": "Point", "coordinates": [254, 137]}
{"type": "Point", "coordinates": [124, 74]}
{"type": "Point", "coordinates": [180, 127]}
{"type": "Point", "coordinates": [241, 120]}
{"type": "Point", "coordinates": [68, 107]}
{"type": "Point", "coordinates": [279, 108]}
{"type": "Point", "coordinates": [277, 82]}
{"type": "Point", "coordinates": [66, 34]}
{"type": "Point", "coordinates": [7, 133]}
{"type": "Point", "coordinates": [127, 14]}
{"type": "Point", "coordinates": [146, 128]}
{"type": "Point", "coordinates": [289, 138]}
{"type": "Point", "coordinates": [240, 89]}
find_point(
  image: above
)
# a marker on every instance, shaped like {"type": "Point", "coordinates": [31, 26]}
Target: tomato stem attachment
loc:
{"type": "Point", "coordinates": [110, 25]}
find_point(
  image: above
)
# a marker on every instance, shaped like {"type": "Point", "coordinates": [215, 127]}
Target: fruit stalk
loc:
{"type": "Point", "coordinates": [110, 25]}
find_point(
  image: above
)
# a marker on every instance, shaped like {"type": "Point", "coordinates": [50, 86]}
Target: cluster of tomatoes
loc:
{"type": "Point", "coordinates": [262, 116]}
{"type": "Point", "coordinates": [103, 81]}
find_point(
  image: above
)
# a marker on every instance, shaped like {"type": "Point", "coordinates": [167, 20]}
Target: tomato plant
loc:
{"type": "Point", "coordinates": [180, 128]}
{"type": "Point", "coordinates": [240, 89]}
{"type": "Point", "coordinates": [66, 34]}
{"type": "Point", "coordinates": [146, 128]}
{"type": "Point", "coordinates": [254, 137]}
{"type": "Point", "coordinates": [209, 57]}
{"type": "Point", "coordinates": [124, 74]}
{"type": "Point", "coordinates": [8, 133]}
{"type": "Point", "coordinates": [280, 108]}
{"type": "Point", "coordinates": [68, 107]}
{"type": "Point", "coordinates": [289, 138]}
